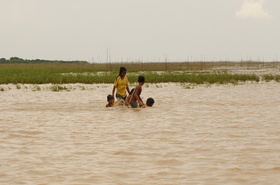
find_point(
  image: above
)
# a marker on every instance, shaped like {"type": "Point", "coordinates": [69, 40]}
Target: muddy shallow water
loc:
{"type": "Point", "coordinates": [203, 135]}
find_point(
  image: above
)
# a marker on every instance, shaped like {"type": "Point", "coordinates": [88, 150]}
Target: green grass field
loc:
{"type": "Point", "coordinates": [185, 72]}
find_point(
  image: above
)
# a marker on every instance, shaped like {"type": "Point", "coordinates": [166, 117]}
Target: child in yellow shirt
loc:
{"type": "Point", "coordinates": [121, 84]}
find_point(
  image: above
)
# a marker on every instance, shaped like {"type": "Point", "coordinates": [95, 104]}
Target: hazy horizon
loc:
{"type": "Point", "coordinates": [146, 31]}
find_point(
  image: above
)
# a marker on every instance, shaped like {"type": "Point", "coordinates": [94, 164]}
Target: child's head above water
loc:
{"type": "Point", "coordinates": [111, 101]}
{"type": "Point", "coordinates": [110, 97]}
{"type": "Point", "coordinates": [150, 102]}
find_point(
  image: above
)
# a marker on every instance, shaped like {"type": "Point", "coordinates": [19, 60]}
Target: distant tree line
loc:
{"type": "Point", "coordinates": [17, 60]}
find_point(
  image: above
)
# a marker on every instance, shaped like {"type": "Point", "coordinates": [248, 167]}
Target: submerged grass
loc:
{"type": "Point", "coordinates": [200, 78]}
{"type": "Point", "coordinates": [270, 77]}
{"type": "Point", "coordinates": [57, 73]}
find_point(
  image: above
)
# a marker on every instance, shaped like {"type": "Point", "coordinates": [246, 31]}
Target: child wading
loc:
{"type": "Point", "coordinates": [121, 84]}
{"type": "Point", "coordinates": [135, 99]}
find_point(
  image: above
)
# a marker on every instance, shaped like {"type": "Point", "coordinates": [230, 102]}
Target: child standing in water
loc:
{"type": "Point", "coordinates": [135, 99]}
{"type": "Point", "coordinates": [121, 84]}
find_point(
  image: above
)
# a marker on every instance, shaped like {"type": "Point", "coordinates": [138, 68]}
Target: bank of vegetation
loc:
{"type": "Point", "coordinates": [17, 60]}
{"type": "Point", "coordinates": [182, 72]}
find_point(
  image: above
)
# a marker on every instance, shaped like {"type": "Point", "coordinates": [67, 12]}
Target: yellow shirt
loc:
{"type": "Point", "coordinates": [121, 85]}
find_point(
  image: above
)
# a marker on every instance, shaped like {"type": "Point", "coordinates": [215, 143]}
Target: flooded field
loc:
{"type": "Point", "coordinates": [193, 135]}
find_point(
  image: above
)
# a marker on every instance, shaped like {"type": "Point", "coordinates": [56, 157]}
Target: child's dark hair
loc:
{"type": "Point", "coordinates": [150, 102]}
{"type": "Point", "coordinates": [141, 79]}
{"type": "Point", "coordinates": [122, 69]}
{"type": "Point", "coordinates": [110, 97]}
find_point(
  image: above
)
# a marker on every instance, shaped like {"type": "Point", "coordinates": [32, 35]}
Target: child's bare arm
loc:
{"type": "Point", "coordinates": [127, 88]}
{"type": "Point", "coordinates": [127, 100]}
{"type": "Point", "coordinates": [113, 91]}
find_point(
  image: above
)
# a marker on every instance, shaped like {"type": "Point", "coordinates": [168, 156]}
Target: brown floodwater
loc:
{"type": "Point", "coordinates": [219, 134]}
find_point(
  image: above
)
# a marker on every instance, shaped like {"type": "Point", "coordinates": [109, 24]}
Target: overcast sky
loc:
{"type": "Point", "coordinates": [140, 30]}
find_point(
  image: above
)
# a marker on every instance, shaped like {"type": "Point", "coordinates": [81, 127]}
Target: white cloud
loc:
{"type": "Point", "coordinates": [253, 9]}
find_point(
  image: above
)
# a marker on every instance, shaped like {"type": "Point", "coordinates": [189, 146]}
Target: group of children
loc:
{"type": "Point", "coordinates": [121, 87]}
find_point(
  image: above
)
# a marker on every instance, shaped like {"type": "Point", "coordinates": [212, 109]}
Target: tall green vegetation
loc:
{"type": "Point", "coordinates": [63, 73]}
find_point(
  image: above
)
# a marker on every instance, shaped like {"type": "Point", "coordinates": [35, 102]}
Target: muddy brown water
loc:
{"type": "Point", "coordinates": [203, 135]}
